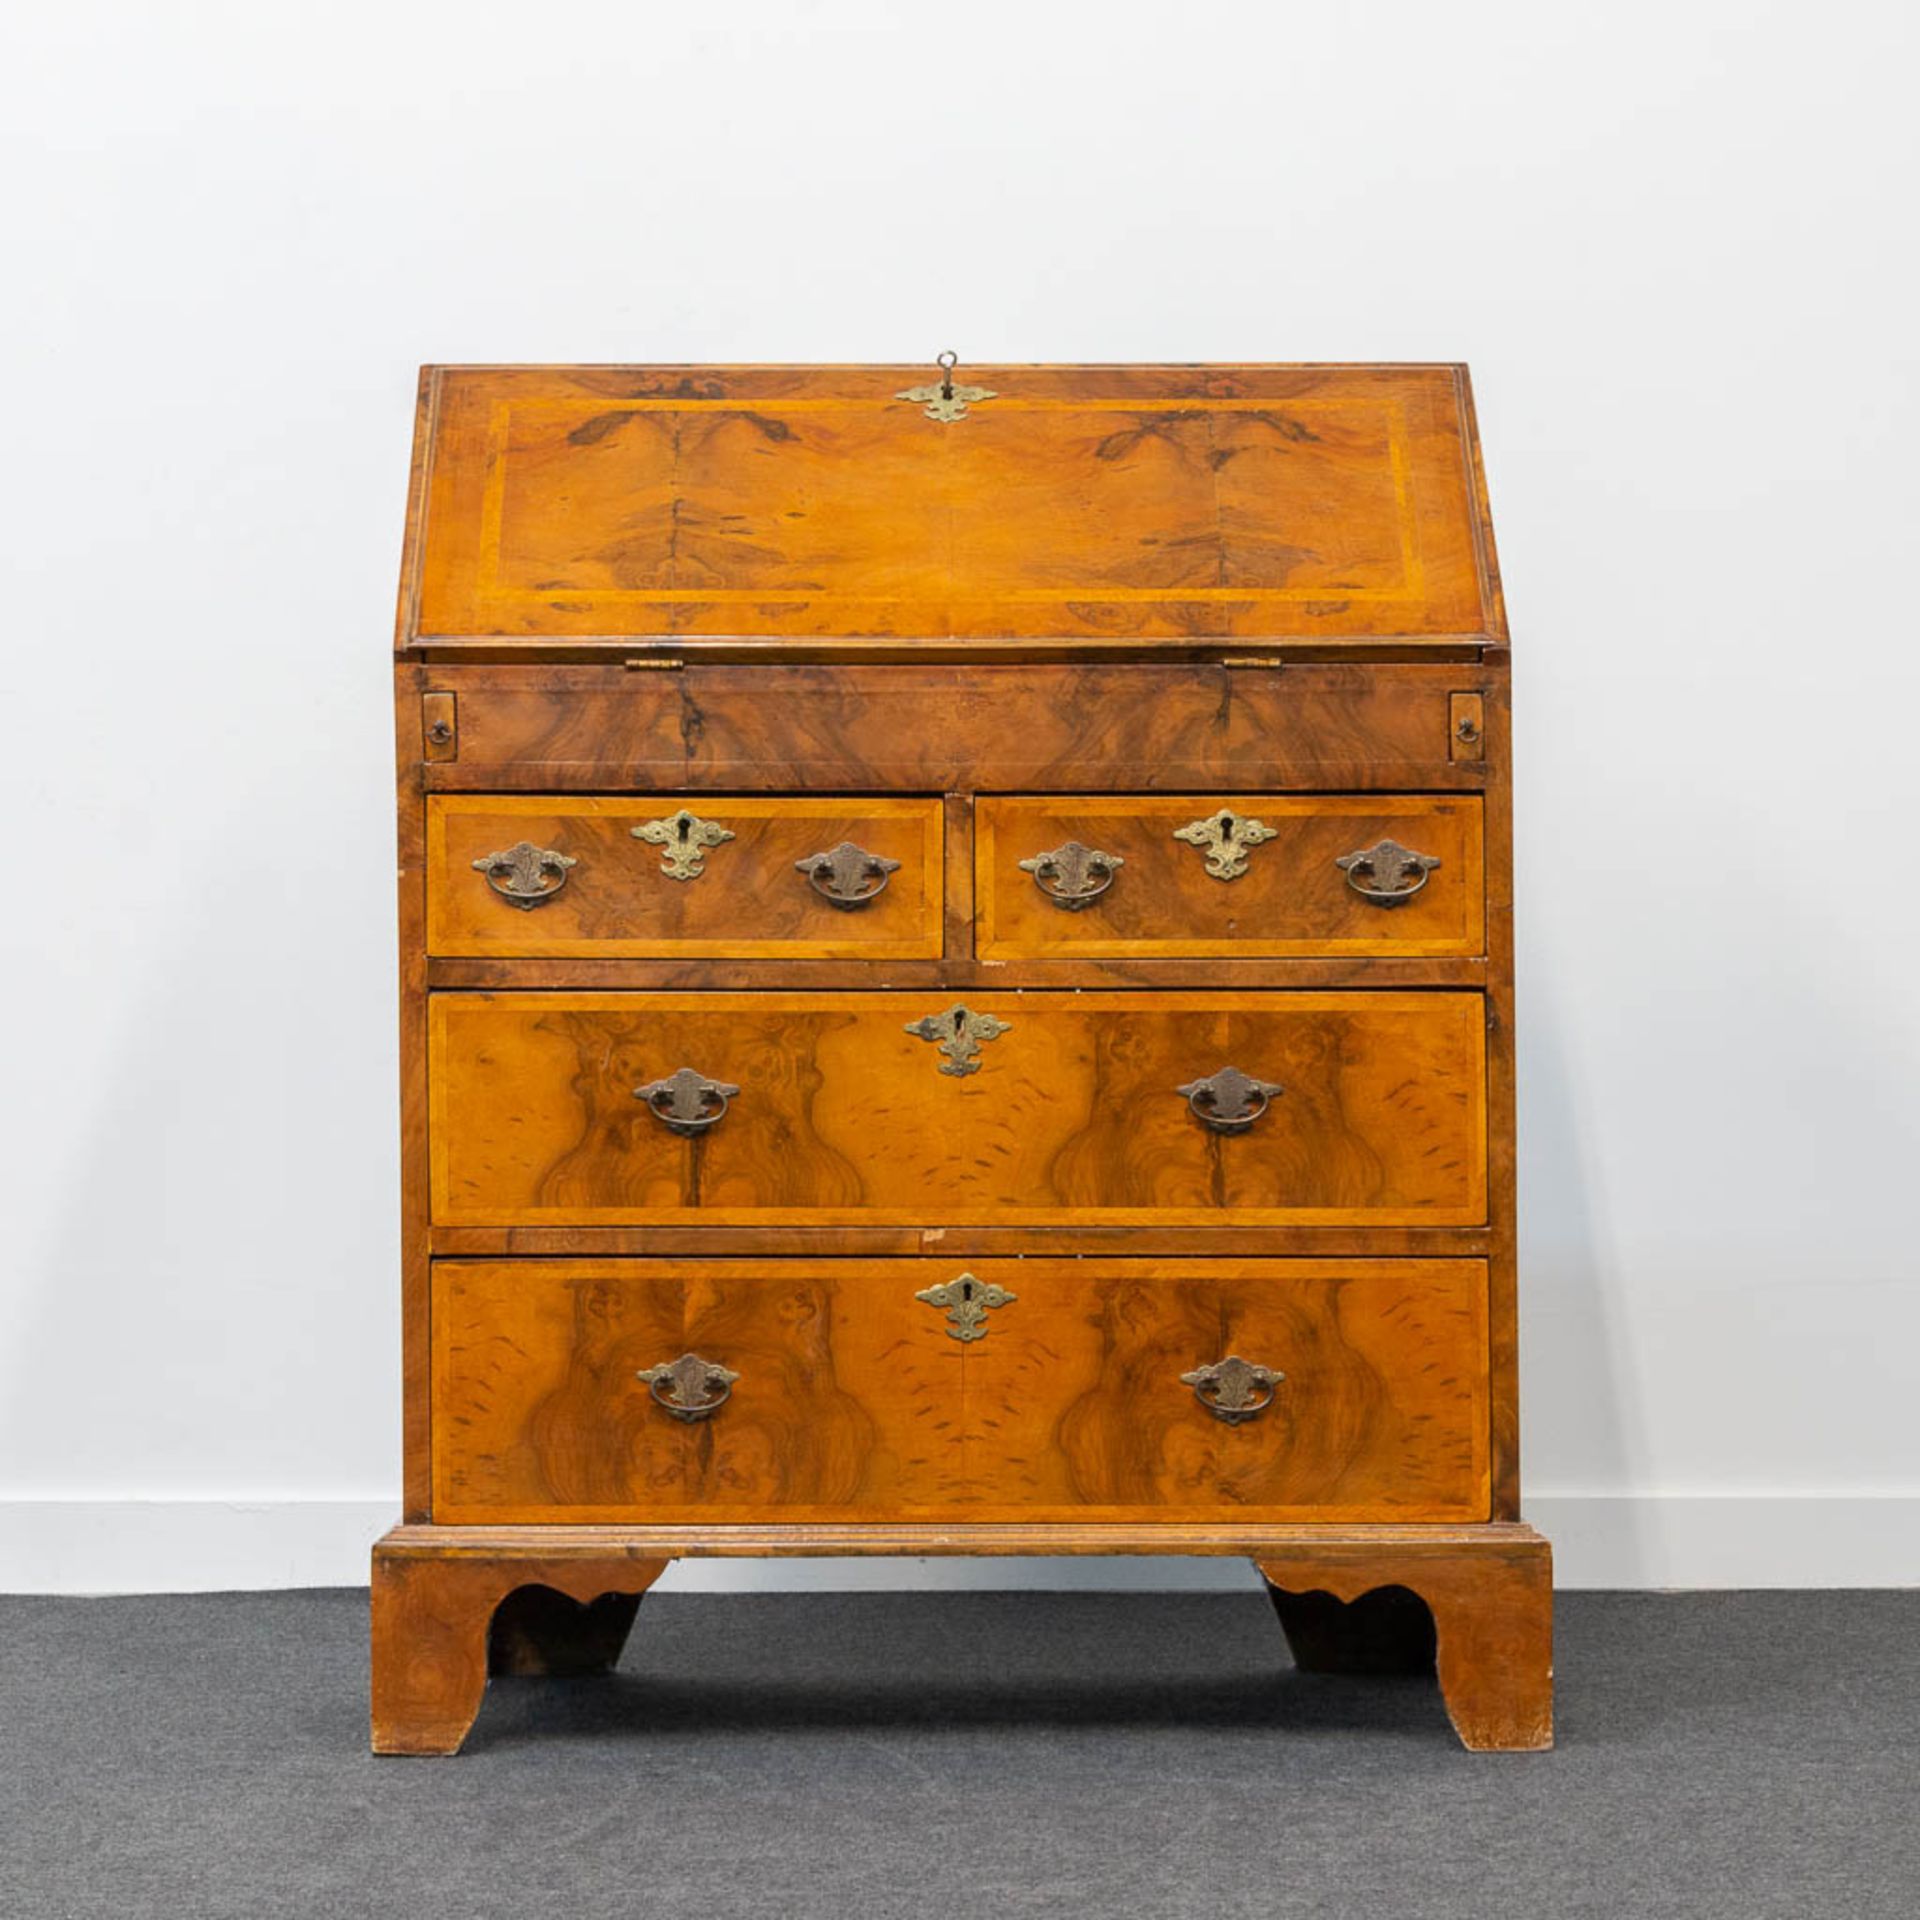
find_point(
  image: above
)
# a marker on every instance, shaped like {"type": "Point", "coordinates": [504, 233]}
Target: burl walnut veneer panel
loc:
{"type": "Point", "coordinates": [1074, 1111]}
{"type": "Point", "coordinates": [1159, 895]}
{"type": "Point", "coordinates": [854, 1397]}
{"type": "Point", "coordinates": [770, 891]}
{"type": "Point", "coordinates": [1089, 502]}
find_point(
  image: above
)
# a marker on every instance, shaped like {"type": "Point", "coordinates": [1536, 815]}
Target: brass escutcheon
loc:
{"type": "Point", "coordinates": [967, 1301]}
{"type": "Point", "coordinates": [1228, 838]}
{"type": "Point", "coordinates": [1073, 876]}
{"type": "Point", "coordinates": [1386, 873]}
{"type": "Point", "coordinates": [847, 876]}
{"type": "Point", "coordinates": [1233, 1390]}
{"type": "Point", "coordinates": [959, 1032]}
{"type": "Point", "coordinates": [689, 1388]}
{"type": "Point", "coordinates": [525, 875]}
{"type": "Point", "coordinates": [686, 839]}
{"type": "Point", "coordinates": [943, 400]}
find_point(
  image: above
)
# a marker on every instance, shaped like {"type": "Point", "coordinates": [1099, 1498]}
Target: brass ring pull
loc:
{"type": "Point", "coordinates": [689, 1388]}
{"type": "Point", "coordinates": [1229, 1101]}
{"type": "Point", "coordinates": [686, 1102]}
{"type": "Point", "coordinates": [1073, 876]}
{"type": "Point", "coordinates": [847, 876]}
{"type": "Point", "coordinates": [1386, 873]}
{"type": "Point", "coordinates": [524, 875]}
{"type": "Point", "coordinates": [1233, 1390]}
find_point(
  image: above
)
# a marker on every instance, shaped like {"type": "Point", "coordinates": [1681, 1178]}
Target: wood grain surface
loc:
{"type": "Point", "coordinates": [441, 1592]}
{"type": "Point", "coordinates": [841, 728]}
{"type": "Point", "coordinates": [854, 1397]}
{"type": "Point", "coordinates": [1292, 898]}
{"type": "Point", "coordinates": [844, 1117]}
{"type": "Point", "coordinates": [1492, 1610]}
{"type": "Point", "coordinates": [1108, 601]}
{"type": "Point", "coordinates": [1079, 501]}
{"type": "Point", "coordinates": [750, 902]}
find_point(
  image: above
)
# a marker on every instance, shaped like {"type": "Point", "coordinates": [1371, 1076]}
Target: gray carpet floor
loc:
{"type": "Point", "coordinates": [948, 1756]}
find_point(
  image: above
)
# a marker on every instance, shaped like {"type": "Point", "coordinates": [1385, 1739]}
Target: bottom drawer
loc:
{"type": "Point", "coordinates": [1022, 1389]}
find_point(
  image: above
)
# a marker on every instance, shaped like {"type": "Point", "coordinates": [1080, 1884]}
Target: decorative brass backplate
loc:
{"type": "Point", "coordinates": [1073, 876]}
{"type": "Point", "coordinates": [1229, 1101]}
{"type": "Point", "coordinates": [689, 1388]}
{"type": "Point", "coordinates": [847, 876]}
{"type": "Point", "coordinates": [943, 400]}
{"type": "Point", "coordinates": [686, 839]}
{"type": "Point", "coordinates": [1386, 873]}
{"type": "Point", "coordinates": [1228, 838]}
{"type": "Point", "coordinates": [1233, 1390]}
{"type": "Point", "coordinates": [685, 1101]}
{"type": "Point", "coordinates": [959, 1032]}
{"type": "Point", "coordinates": [966, 1301]}
{"type": "Point", "coordinates": [525, 875]}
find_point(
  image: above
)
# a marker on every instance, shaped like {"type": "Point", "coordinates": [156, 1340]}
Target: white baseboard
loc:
{"type": "Point", "coordinates": [1599, 1540]}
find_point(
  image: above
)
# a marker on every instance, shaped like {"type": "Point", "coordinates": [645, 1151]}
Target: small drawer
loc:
{"type": "Point", "coordinates": [910, 1109]}
{"type": "Point", "coordinates": [633, 1390]}
{"type": "Point", "coordinates": [705, 877]}
{"type": "Point", "coordinates": [1254, 875]}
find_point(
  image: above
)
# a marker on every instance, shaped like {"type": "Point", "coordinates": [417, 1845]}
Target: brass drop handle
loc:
{"type": "Point", "coordinates": [687, 1102]}
{"type": "Point", "coordinates": [1229, 1101]}
{"type": "Point", "coordinates": [1073, 876]}
{"type": "Point", "coordinates": [689, 1388]}
{"type": "Point", "coordinates": [524, 875]}
{"type": "Point", "coordinates": [1233, 1390]}
{"type": "Point", "coordinates": [1387, 874]}
{"type": "Point", "coordinates": [847, 876]}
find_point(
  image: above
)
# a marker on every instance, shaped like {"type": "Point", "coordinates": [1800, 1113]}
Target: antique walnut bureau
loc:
{"type": "Point", "coordinates": [956, 998]}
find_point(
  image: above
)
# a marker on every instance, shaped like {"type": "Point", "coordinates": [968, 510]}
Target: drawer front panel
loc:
{"type": "Point", "coordinates": [1107, 875]}
{"type": "Point", "coordinates": [851, 1395]}
{"type": "Point", "coordinates": [872, 1109]}
{"type": "Point", "coordinates": [721, 877]}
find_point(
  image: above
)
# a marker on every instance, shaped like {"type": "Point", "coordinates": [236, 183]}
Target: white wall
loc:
{"type": "Point", "coordinates": [1675, 243]}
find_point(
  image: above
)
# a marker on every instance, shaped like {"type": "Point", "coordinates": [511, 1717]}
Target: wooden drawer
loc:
{"type": "Point", "coordinates": [847, 1112]}
{"type": "Point", "coordinates": [854, 1397]}
{"type": "Point", "coordinates": [557, 876]}
{"type": "Point", "coordinates": [1103, 875]}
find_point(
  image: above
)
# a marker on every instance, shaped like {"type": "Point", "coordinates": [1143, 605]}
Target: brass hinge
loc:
{"type": "Point", "coordinates": [1253, 660]}
{"type": "Point", "coordinates": [664, 664]}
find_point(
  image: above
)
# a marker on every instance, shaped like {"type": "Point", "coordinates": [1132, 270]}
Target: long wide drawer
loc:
{"type": "Point", "coordinates": [1255, 875]}
{"type": "Point", "coordinates": [1009, 1109]}
{"type": "Point", "coordinates": [621, 1390]}
{"type": "Point", "coordinates": [741, 878]}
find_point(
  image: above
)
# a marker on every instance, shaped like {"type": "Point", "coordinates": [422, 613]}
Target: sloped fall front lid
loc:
{"type": "Point", "coordinates": [1290, 503]}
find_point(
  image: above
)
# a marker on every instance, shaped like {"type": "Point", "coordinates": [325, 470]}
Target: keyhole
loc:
{"type": "Point", "coordinates": [1226, 825]}
{"type": "Point", "coordinates": [966, 1292]}
{"type": "Point", "coordinates": [684, 825]}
